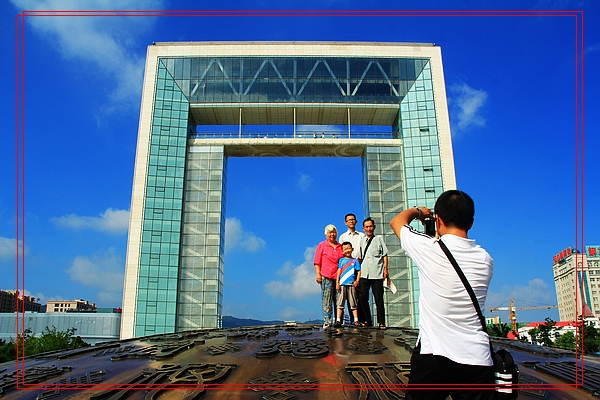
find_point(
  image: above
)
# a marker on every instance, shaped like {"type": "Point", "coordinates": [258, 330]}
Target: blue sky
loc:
{"type": "Point", "coordinates": [511, 92]}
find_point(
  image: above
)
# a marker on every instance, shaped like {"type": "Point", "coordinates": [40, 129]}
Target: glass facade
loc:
{"type": "Point", "coordinates": [294, 79]}
{"type": "Point", "coordinates": [418, 125]}
{"type": "Point", "coordinates": [384, 197]}
{"type": "Point", "coordinates": [399, 177]}
{"type": "Point", "coordinates": [203, 239]}
{"type": "Point", "coordinates": [177, 284]}
{"type": "Point", "coordinates": [161, 229]}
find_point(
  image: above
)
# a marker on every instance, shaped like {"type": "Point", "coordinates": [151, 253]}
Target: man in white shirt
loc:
{"type": "Point", "coordinates": [352, 235]}
{"type": "Point", "coordinates": [452, 348]}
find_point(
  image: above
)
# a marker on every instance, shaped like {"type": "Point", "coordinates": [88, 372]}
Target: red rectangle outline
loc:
{"type": "Point", "coordinates": [20, 114]}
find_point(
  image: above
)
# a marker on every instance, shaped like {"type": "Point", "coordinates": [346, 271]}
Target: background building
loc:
{"type": "Point", "coordinates": [8, 302]}
{"type": "Point", "coordinates": [91, 327]}
{"type": "Point", "coordinates": [205, 102]}
{"type": "Point", "coordinates": [77, 305]}
{"type": "Point", "coordinates": [577, 281]}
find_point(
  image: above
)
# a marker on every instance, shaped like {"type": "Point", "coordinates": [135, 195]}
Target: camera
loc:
{"type": "Point", "coordinates": [430, 227]}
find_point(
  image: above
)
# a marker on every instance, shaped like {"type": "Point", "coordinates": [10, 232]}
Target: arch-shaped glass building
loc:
{"type": "Point", "coordinates": [205, 102]}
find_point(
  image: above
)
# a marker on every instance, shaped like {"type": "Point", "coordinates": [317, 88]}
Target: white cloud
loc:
{"type": "Point", "coordinates": [304, 182]}
{"type": "Point", "coordinates": [465, 105]}
{"type": "Point", "coordinates": [536, 292]}
{"type": "Point", "coordinates": [301, 282]}
{"type": "Point", "coordinates": [592, 49]}
{"type": "Point", "coordinates": [114, 298]}
{"type": "Point", "coordinates": [103, 270]}
{"type": "Point", "coordinates": [108, 43]}
{"type": "Point", "coordinates": [291, 313]}
{"type": "Point", "coordinates": [42, 298]}
{"type": "Point", "coordinates": [8, 248]}
{"type": "Point", "coordinates": [236, 237]}
{"type": "Point", "coordinates": [111, 221]}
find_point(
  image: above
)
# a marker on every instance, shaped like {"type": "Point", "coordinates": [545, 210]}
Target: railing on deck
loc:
{"type": "Point", "coordinates": [290, 135]}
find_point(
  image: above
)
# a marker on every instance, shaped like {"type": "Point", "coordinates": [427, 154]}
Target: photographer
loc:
{"type": "Point", "coordinates": [452, 348]}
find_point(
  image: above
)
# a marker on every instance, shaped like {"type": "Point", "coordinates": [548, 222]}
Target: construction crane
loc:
{"type": "Point", "coordinates": [513, 311]}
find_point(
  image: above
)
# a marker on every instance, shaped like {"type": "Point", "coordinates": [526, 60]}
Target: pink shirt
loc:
{"type": "Point", "coordinates": [327, 257]}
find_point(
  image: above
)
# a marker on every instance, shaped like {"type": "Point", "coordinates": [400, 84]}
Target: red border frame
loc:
{"type": "Point", "coordinates": [20, 156]}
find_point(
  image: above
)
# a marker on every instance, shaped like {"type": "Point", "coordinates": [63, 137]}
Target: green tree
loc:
{"type": "Point", "coordinates": [53, 340]}
{"type": "Point", "coordinates": [534, 333]}
{"type": "Point", "coordinates": [7, 351]}
{"type": "Point", "coordinates": [566, 341]}
{"type": "Point", "coordinates": [591, 338]}
{"type": "Point", "coordinates": [544, 332]}
{"type": "Point", "coordinates": [500, 330]}
{"type": "Point", "coordinates": [50, 340]}
{"type": "Point", "coordinates": [541, 333]}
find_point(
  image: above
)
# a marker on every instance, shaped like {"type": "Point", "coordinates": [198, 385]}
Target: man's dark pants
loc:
{"type": "Point", "coordinates": [440, 371]}
{"type": "Point", "coordinates": [376, 285]}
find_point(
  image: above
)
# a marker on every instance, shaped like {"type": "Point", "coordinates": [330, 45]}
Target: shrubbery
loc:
{"type": "Point", "coordinates": [49, 340]}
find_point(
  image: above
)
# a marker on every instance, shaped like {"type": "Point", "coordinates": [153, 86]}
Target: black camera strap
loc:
{"type": "Point", "coordinates": [367, 246]}
{"type": "Point", "coordinates": [465, 282]}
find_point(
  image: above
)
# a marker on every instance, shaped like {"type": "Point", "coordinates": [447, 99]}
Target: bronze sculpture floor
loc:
{"type": "Point", "coordinates": [269, 362]}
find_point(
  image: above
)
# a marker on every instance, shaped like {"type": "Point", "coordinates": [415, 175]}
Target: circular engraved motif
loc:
{"type": "Point", "coordinates": [295, 150]}
{"type": "Point", "coordinates": [240, 151]}
{"type": "Point", "coordinates": [348, 150]}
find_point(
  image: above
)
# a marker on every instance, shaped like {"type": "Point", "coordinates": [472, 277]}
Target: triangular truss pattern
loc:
{"type": "Point", "coordinates": [234, 78]}
{"type": "Point", "coordinates": [164, 66]}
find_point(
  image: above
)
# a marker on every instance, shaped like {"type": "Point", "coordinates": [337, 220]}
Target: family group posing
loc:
{"type": "Point", "coordinates": [349, 269]}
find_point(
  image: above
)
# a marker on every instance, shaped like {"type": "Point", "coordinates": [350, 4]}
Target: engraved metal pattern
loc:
{"type": "Point", "coordinates": [305, 348]}
{"type": "Point", "coordinates": [262, 334]}
{"type": "Point", "coordinates": [272, 348]}
{"type": "Point", "coordinates": [281, 383]}
{"type": "Point", "coordinates": [299, 332]}
{"type": "Point", "coordinates": [30, 376]}
{"type": "Point", "coordinates": [534, 391]}
{"type": "Point", "coordinates": [222, 349]}
{"type": "Point", "coordinates": [566, 372]}
{"type": "Point", "coordinates": [366, 347]}
{"type": "Point", "coordinates": [159, 351]}
{"type": "Point", "coordinates": [372, 380]}
{"type": "Point", "coordinates": [310, 348]}
{"type": "Point", "coordinates": [189, 380]}
{"type": "Point", "coordinates": [83, 382]}
{"type": "Point", "coordinates": [115, 350]}
{"type": "Point", "coordinates": [402, 370]}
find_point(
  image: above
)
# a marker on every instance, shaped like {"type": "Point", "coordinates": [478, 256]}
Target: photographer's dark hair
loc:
{"type": "Point", "coordinates": [456, 209]}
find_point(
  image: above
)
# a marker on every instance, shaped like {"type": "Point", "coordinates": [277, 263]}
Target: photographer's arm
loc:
{"type": "Point", "coordinates": [406, 216]}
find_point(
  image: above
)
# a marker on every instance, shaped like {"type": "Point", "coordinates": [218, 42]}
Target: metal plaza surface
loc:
{"type": "Point", "coordinates": [267, 362]}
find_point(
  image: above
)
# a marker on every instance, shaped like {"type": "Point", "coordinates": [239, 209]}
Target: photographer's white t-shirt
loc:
{"type": "Point", "coordinates": [448, 323]}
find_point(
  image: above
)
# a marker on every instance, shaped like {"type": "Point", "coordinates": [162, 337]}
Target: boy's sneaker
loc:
{"type": "Point", "coordinates": [326, 326]}
{"type": "Point", "coordinates": [337, 324]}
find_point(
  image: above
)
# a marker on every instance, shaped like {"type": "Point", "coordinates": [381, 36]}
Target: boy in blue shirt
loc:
{"type": "Point", "coordinates": [347, 278]}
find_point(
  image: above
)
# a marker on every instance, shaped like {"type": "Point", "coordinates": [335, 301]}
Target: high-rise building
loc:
{"type": "Point", "coordinates": [577, 282]}
{"type": "Point", "coordinates": [8, 302]}
{"type": "Point", "coordinates": [204, 102]}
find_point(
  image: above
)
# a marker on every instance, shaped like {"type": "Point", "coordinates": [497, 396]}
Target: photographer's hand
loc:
{"type": "Point", "coordinates": [425, 213]}
{"type": "Point", "coordinates": [405, 217]}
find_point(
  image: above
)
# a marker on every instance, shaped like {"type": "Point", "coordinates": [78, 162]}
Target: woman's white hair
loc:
{"type": "Point", "coordinates": [330, 228]}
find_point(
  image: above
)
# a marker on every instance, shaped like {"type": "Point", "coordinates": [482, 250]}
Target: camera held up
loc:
{"type": "Point", "coordinates": [430, 227]}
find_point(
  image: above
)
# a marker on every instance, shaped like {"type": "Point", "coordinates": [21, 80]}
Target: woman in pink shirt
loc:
{"type": "Point", "coordinates": [327, 255]}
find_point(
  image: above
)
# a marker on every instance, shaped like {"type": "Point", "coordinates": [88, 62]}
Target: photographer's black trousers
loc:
{"type": "Point", "coordinates": [443, 375]}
